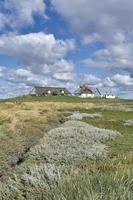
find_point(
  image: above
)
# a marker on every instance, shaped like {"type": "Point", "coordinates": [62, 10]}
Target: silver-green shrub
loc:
{"type": "Point", "coordinates": [80, 116]}
{"type": "Point", "coordinates": [129, 122]}
{"type": "Point", "coordinates": [44, 175]}
{"type": "Point", "coordinates": [59, 150]}
{"type": "Point", "coordinates": [73, 141]}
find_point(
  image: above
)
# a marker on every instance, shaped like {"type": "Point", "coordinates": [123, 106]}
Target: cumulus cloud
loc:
{"type": "Point", "coordinates": [34, 48]}
{"type": "Point", "coordinates": [114, 58]}
{"type": "Point", "coordinates": [123, 80]}
{"type": "Point", "coordinates": [64, 76]}
{"type": "Point", "coordinates": [91, 79]}
{"type": "Point", "coordinates": [41, 57]}
{"type": "Point", "coordinates": [15, 82]}
{"type": "Point", "coordinates": [104, 21]}
{"type": "Point", "coordinates": [108, 22]}
{"type": "Point", "coordinates": [16, 14]}
{"type": "Point", "coordinates": [39, 52]}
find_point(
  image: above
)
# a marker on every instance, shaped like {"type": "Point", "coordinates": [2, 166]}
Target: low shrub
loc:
{"type": "Point", "coordinates": [129, 122]}
{"type": "Point", "coordinates": [73, 141]}
{"type": "Point", "coordinates": [80, 116]}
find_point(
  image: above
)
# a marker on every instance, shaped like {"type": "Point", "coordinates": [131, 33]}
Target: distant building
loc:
{"type": "Point", "coordinates": [49, 91]}
{"type": "Point", "coordinates": [84, 92]}
{"type": "Point", "coordinates": [106, 93]}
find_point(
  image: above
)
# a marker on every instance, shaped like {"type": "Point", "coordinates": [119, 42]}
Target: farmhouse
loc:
{"type": "Point", "coordinates": [49, 91]}
{"type": "Point", "coordinates": [106, 93]}
{"type": "Point", "coordinates": [84, 92]}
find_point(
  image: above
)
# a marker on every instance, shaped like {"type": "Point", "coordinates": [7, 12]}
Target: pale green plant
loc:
{"type": "Point", "coordinates": [80, 116]}
{"type": "Point", "coordinates": [129, 122]}
{"type": "Point", "coordinates": [73, 141]}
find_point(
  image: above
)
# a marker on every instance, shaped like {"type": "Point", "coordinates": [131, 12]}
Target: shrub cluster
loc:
{"type": "Point", "coordinates": [129, 122]}
{"type": "Point", "coordinates": [80, 116]}
{"type": "Point", "coordinates": [74, 141]}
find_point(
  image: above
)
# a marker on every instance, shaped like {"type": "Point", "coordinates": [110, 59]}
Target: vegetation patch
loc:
{"type": "Point", "coordinates": [88, 159]}
{"type": "Point", "coordinates": [80, 116]}
{"type": "Point", "coordinates": [129, 122]}
{"type": "Point", "coordinates": [72, 142]}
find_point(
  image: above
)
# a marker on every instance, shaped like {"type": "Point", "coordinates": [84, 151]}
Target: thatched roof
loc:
{"type": "Point", "coordinates": [83, 90]}
{"type": "Point", "coordinates": [53, 90]}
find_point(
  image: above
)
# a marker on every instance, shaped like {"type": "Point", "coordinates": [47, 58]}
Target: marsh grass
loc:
{"type": "Point", "coordinates": [55, 166]}
{"type": "Point", "coordinates": [95, 187]}
{"type": "Point", "coordinates": [22, 124]}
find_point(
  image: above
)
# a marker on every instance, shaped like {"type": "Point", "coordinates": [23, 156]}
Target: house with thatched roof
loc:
{"type": "Point", "coordinates": [49, 91]}
{"type": "Point", "coordinates": [84, 92]}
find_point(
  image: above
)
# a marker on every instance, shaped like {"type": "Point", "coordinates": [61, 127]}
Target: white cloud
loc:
{"type": "Point", "coordinates": [37, 51]}
{"type": "Point", "coordinates": [109, 22]}
{"type": "Point", "coordinates": [63, 66]}
{"type": "Point", "coordinates": [114, 58]}
{"type": "Point", "coordinates": [20, 13]}
{"type": "Point", "coordinates": [68, 76]}
{"type": "Point", "coordinates": [20, 81]}
{"type": "Point", "coordinates": [22, 73]}
{"type": "Point", "coordinates": [90, 79]}
{"type": "Point", "coordinates": [123, 80]}
{"type": "Point", "coordinates": [106, 20]}
{"type": "Point", "coordinates": [41, 57]}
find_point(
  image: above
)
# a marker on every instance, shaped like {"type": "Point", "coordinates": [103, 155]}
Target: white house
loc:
{"type": "Point", "coordinates": [84, 92]}
{"type": "Point", "coordinates": [110, 96]}
{"type": "Point", "coordinates": [106, 93]}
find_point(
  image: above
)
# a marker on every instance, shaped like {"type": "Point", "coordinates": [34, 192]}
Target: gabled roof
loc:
{"type": "Point", "coordinates": [41, 90]}
{"type": "Point", "coordinates": [91, 90]}
{"type": "Point", "coordinates": [105, 91]}
{"type": "Point", "coordinates": [83, 90]}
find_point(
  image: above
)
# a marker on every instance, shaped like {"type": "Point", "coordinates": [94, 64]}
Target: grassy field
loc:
{"type": "Point", "coordinates": [34, 164]}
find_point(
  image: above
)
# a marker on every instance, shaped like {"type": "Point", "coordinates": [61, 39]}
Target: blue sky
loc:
{"type": "Point", "coordinates": [66, 43]}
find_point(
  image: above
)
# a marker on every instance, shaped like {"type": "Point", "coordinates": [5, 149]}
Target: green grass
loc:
{"type": "Point", "coordinates": [95, 187]}
{"type": "Point", "coordinates": [68, 99]}
{"type": "Point", "coordinates": [115, 120]}
{"type": "Point", "coordinates": [110, 179]}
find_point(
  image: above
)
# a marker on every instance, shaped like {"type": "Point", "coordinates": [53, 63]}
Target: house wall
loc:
{"type": "Point", "coordinates": [33, 92]}
{"type": "Point", "coordinates": [84, 95]}
{"type": "Point", "coordinates": [110, 97]}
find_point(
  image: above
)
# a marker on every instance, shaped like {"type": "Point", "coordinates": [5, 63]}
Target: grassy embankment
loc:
{"type": "Point", "coordinates": [24, 120]}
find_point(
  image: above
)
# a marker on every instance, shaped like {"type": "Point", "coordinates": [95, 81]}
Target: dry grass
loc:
{"type": "Point", "coordinates": [59, 165]}
{"type": "Point", "coordinates": [22, 124]}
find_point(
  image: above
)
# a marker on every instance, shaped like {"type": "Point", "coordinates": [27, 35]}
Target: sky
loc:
{"type": "Point", "coordinates": [66, 43]}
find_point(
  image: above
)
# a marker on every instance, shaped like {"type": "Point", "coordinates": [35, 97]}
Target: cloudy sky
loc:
{"type": "Point", "coordinates": [66, 43]}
